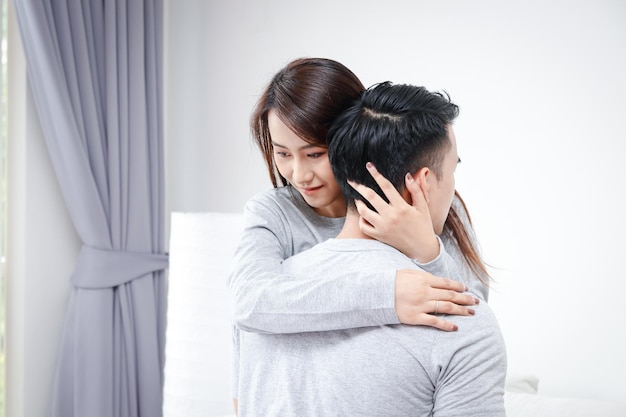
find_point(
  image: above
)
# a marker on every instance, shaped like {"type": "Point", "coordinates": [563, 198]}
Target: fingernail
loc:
{"type": "Point", "coordinates": [369, 165]}
{"type": "Point", "coordinates": [476, 301]}
{"type": "Point", "coordinates": [455, 328]}
{"type": "Point", "coordinates": [409, 177]}
{"type": "Point", "coordinates": [471, 312]}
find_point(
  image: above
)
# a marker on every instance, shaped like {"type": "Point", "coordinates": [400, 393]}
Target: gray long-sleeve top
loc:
{"type": "Point", "coordinates": [392, 370]}
{"type": "Point", "coordinates": [278, 224]}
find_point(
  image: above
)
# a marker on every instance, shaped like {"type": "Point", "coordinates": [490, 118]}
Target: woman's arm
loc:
{"type": "Point", "coordinates": [408, 228]}
{"type": "Point", "coordinates": [266, 300]}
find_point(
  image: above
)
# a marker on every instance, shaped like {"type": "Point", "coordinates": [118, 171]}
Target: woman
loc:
{"type": "Point", "coordinates": [302, 100]}
{"type": "Point", "coordinates": [392, 370]}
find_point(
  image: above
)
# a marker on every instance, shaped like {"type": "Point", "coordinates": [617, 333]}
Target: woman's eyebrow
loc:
{"type": "Point", "coordinates": [307, 146]}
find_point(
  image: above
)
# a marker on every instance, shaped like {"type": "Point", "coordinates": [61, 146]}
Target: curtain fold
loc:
{"type": "Point", "coordinates": [96, 75]}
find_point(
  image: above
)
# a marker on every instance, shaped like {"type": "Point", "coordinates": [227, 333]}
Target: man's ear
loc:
{"type": "Point", "coordinates": [423, 177]}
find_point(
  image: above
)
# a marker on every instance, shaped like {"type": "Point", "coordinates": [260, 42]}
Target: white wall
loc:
{"type": "Point", "coordinates": [541, 135]}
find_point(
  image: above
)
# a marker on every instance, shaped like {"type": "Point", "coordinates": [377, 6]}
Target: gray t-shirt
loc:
{"type": "Point", "coordinates": [388, 370]}
{"type": "Point", "coordinates": [278, 223]}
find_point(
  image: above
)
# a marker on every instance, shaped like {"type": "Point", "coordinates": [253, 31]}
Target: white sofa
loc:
{"type": "Point", "coordinates": [197, 371]}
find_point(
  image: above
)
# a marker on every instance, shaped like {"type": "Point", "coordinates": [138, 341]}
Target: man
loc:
{"type": "Point", "coordinates": [392, 370]}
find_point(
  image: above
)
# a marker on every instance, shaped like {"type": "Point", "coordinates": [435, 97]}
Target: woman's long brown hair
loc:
{"type": "Point", "coordinates": [456, 230]}
{"type": "Point", "coordinates": [308, 94]}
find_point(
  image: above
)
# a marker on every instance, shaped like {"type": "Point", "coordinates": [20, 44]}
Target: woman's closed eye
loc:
{"type": "Point", "coordinates": [281, 154]}
{"type": "Point", "coordinates": [316, 155]}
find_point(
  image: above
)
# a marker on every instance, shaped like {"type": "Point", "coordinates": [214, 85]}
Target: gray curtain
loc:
{"type": "Point", "coordinates": [95, 72]}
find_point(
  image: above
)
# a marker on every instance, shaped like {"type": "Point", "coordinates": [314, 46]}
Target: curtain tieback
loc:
{"type": "Point", "coordinates": [107, 268]}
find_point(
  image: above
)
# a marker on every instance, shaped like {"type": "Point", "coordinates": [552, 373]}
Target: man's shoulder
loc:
{"type": "Point", "coordinates": [353, 254]}
{"type": "Point", "coordinates": [481, 329]}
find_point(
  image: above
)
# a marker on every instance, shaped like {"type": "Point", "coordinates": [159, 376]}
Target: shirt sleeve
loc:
{"type": "Point", "coordinates": [470, 368]}
{"type": "Point", "coordinates": [439, 266]}
{"type": "Point", "coordinates": [265, 300]}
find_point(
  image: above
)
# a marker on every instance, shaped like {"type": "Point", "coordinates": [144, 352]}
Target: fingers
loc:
{"type": "Point", "coordinates": [434, 321]}
{"type": "Point", "coordinates": [444, 289]}
{"type": "Point", "coordinates": [444, 283]}
{"type": "Point", "coordinates": [454, 297]}
{"type": "Point", "coordinates": [434, 281]}
{"type": "Point", "coordinates": [422, 297]}
{"type": "Point", "coordinates": [372, 196]}
{"type": "Point", "coordinates": [370, 220]}
{"type": "Point", "coordinates": [418, 196]}
{"type": "Point", "coordinates": [363, 210]}
{"type": "Point", "coordinates": [390, 191]}
{"type": "Point", "coordinates": [367, 218]}
{"type": "Point", "coordinates": [450, 308]}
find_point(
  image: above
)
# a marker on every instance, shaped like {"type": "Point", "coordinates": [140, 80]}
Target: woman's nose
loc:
{"type": "Point", "coordinates": [302, 173]}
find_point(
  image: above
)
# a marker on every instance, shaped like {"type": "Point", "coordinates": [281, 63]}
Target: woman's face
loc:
{"type": "Point", "coordinates": [307, 169]}
{"type": "Point", "coordinates": [441, 190]}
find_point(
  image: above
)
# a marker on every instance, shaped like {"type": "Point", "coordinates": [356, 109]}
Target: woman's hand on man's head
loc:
{"type": "Point", "coordinates": [405, 226]}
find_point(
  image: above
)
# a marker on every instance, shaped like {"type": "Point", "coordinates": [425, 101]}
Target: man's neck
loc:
{"type": "Point", "coordinates": [351, 229]}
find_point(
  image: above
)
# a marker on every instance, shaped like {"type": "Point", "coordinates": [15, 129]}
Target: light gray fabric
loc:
{"type": "Point", "coordinates": [278, 224]}
{"type": "Point", "coordinates": [392, 370]}
{"type": "Point", "coordinates": [95, 73]}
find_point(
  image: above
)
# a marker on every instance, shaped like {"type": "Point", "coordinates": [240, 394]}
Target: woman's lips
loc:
{"type": "Point", "coordinates": [310, 190]}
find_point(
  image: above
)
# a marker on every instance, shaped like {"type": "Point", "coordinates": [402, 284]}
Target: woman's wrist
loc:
{"type": "Point", "coordinates": [428, 253]}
